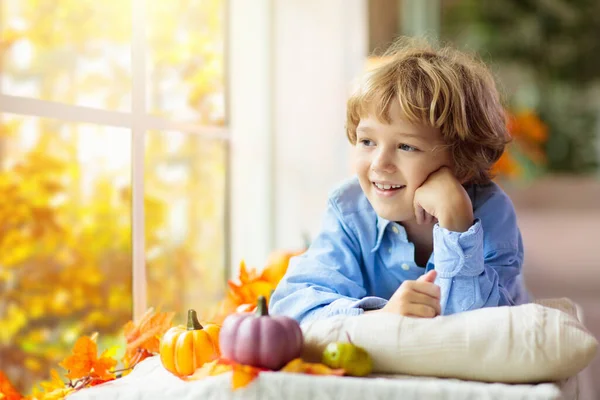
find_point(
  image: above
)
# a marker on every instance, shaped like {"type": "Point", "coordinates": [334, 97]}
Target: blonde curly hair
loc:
{"type": "Point", "coordinates": [443, 88]}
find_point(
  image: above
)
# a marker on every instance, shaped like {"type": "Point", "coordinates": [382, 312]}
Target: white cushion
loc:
{"type": "Point", "coordinates": [538, 342]}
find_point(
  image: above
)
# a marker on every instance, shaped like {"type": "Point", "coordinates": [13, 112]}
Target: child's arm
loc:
{"type": "Point", "coordinates": [480, 266]}
{"type": "Point", "coordinates": [327, 279]}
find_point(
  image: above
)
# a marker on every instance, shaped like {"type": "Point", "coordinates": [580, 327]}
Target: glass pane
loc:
{"type": "Point", "coordinates": [186, 40]}
{"type": "Point", "coordinates": [185, 186]}
{"type": "Point", "coordinates": [76, 52]}
{"type": "Point", "coordinates": [65, 241]}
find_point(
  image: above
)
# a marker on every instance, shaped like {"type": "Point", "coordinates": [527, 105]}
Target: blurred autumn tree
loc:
{"type": "Point", "coordinates": [65, 225]}
{"type": "Point", "coordinates": [547, 53]}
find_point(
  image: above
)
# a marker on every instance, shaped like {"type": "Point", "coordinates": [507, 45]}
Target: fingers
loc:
{"type": "Point", "coordinates": [420, 311]}
{"type": "Point", "coordinates": [419, 214]}
{"type": "Point", "coordinates": [429, 219]}
{"type": "Point", "coordinates": [416, 298]}
{"type": "Point", "coordinates": [428, 277]}
{"type": "Point", "coordinates": [422, 216]}
{"type": "Point", "coordinates": [428, 288]}
{"type": "Point", "coordinates": [420, 299]}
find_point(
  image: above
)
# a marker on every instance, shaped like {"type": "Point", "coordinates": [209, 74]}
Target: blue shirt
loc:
{"type": "Point", "coordinates": [359, 259]}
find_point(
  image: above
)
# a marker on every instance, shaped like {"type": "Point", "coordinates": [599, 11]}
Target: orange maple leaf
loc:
{"type": "Point", "coordinates": [7, 390]}
{"type": "Point", "coordinates": [248, 293]}
{"type": "Point", "coordinates": [246, 276]}
{"type": "Point", "coordinates": [143, 338]}
{"type": "Point", "coordinates": [244, 291]}
{"type": "Point", "coordinates": [84, 362]}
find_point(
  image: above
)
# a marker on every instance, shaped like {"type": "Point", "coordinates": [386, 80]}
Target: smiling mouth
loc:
{"type": "Point", "coordinates": [388, 188]}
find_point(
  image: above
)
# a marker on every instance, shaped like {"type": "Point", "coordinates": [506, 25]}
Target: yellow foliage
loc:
{"type": "Point", "coordinates": [14, 321]}
{"type": "Point", "coordinates": [65, 254]}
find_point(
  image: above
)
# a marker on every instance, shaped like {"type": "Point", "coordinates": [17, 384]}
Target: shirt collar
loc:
{"type": "Point", "coordinates": [382, 225]}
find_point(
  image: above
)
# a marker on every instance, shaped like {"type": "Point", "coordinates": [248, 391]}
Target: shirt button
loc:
{"type": "Point", "coordinates": [390, 250]}
{"type": "Point", "coordinates": [405, 267]}
{"type": "Point", "coordinates": [395, 229]}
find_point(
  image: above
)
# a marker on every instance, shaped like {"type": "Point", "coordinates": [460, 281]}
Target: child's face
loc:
{"type": "Point", "coordinates": [393, 160]}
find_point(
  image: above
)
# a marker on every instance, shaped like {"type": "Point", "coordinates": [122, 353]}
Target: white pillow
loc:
{"type": "Point", "coordinates": [537, 342]}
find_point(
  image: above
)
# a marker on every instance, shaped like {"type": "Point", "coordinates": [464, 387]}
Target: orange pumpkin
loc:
{"type": "Point", "coordinates": [185, 348]}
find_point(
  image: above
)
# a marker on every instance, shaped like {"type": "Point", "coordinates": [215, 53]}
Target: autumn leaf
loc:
{"type": "Point", "coordinates": [246, 276]}
{"type": "Point", "coordinates": [244, 291]}
{"type": "Point", "coordinates": [55, 382]}
{"type": "Point", "coordinates": [51, 390]}
{"type": "Point", "coordinates": [7, 390]}
{"type": "Point", "coordinates": [211, 368]}
{"type": "Point", "coordinates": [84, 362]}
{"type": "Point", "coordinates": [56, 394]}
{"type": "Point", "coordinates": [249, 292]}
{"type": "Point", "coordinates": [143, 338]}
{"type": "Point", "coordinates": [277, 265]}
{"type": "Point", "coordinates": [250, 286]}
{"type": "Point", "coordinates": [298, 366]}
{"type": "Point", "coordinates": [242, 375]}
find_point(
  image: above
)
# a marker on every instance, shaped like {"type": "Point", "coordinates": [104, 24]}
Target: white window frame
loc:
{"type": "Point", "coordinates": [251, 76]}
{"type": "Point", "coordinates": [250, 133]}
{"type": "Point", "coordinates": [138, 121]}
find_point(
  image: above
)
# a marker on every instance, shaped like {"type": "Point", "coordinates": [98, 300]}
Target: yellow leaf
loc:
{"type": "Point", "coordinates": [298, 366]}
{"type": "Point", "coordinates": [243, 375]}
{"type": "Point", "coordinates": [210, 368]}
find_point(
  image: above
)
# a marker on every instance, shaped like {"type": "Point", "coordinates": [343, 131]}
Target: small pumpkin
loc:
{"type": "Point", "coordinates": [259, 339]}
{"type": "Point", "coordinates": [185, 348]}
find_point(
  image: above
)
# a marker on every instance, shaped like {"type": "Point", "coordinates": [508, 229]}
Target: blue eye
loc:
{"type": "Point", "coordinates": [405, 147]}
{"type": "Point", "coordinates": [366, 142]}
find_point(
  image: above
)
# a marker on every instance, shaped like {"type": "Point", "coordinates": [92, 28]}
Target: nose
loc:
{"type": "Point", "coordinates": [383, 161]}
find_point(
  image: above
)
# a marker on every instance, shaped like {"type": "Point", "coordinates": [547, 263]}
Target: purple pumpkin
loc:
{"type": "Point", "coordinates": [259, 339]}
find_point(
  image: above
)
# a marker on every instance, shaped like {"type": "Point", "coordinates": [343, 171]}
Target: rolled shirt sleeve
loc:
{"type": "Point", "coordinates": [480, 267]}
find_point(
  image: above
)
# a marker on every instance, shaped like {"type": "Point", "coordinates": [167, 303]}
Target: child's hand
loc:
{"type": "Point", "coordinates": [442, 197]}
{"type": "Point", "coordinates": [420, 298]}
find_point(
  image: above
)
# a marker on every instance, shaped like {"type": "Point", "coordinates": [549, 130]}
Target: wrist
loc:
{"type": "Point", "coordinates": [456, 223]}
{"type": "Point", "coordinates": [457, 218]}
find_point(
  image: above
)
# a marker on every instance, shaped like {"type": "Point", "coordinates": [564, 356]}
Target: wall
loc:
{"type": "Point", "coordinates": [290, 68]}
{"type": "Point", "coordinates": [320, 47]}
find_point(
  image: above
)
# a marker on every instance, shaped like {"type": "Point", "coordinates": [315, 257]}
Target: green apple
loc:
{"type": "Point", "coordinates": [353, 359]}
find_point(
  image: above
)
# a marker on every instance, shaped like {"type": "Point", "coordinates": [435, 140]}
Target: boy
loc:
{"type": "Point", "coordinates": [421, 230]}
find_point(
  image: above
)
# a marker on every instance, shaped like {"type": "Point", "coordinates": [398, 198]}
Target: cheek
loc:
{"type": "Point", "coordinates": [361, 163]}
{"type": "Point", "coordinates": [416, 173]}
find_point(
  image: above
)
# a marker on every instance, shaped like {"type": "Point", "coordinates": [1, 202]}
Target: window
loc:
{"type": "Point", "coordinates": [113, 169]}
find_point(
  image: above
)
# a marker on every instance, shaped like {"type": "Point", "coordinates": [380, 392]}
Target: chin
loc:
{"type": "Point", "coordinates": [393, 215]}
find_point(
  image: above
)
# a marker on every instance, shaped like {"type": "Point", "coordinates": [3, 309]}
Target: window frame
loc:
{"type": "Point", "coordinates": [138, 121]}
